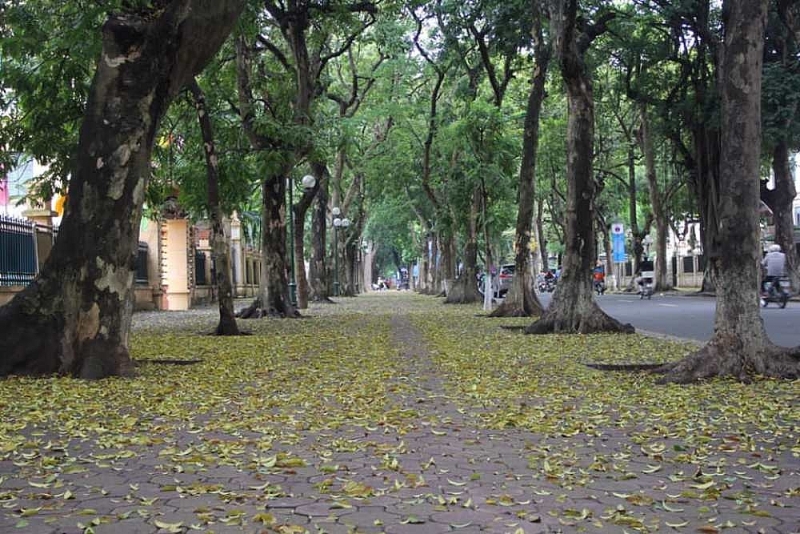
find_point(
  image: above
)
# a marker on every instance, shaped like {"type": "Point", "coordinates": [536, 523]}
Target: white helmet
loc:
{"type": "Point", "coordinates": [774, 248]}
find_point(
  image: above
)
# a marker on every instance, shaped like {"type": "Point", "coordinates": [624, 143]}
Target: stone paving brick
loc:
{"type": "Point", "coordinates": [423, 528]}
{"type": "Point", "coordinates": [322, 509]}
{"type": "Point", "coordinates": [498, 473]}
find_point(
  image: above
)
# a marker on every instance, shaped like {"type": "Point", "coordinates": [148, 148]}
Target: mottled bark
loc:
{"type": "Point", "coordinates": [465, 287]}
{"type": "Point", "coordinates": [220, 251]}
{"type": "Point", "coordinates": [299, 210]}
{"type": "Point", "coordinates": [273, 291]}
{"type": "Point", "coordinates": [318, 270]}
{"type": "Point", "coordinates": [540, 235]}
{"type": "Point", "coordinates": [573, 309]}
{"type": "Point", "coordinates": [739, 346]}
{"type": "Point", "coordinates": [74, 319]}
{"type": "Point", "coordinates": [662, 281]}
{"type": "Point", "coordinates": [521, 301]}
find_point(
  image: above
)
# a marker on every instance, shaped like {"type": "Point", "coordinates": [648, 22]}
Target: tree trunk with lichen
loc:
{"type": "Point", "coordinates": [739, 346]}
{"type": "Point", "coordinates": [573, 309]}
{"type": "Point", "coordinates": [74, 318]}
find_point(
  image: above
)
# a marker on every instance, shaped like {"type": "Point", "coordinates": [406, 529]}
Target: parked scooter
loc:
{"type": "Point", "coordinates": [777, 292]}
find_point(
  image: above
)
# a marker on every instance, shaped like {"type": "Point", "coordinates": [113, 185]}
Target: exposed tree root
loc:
{"type": "Point", "coordinates": [508, 311]}
{"type": "Point", "coordinates": [460, 294]}
{"type": "Point", "coordinates": [520, 300]}
{"type": "Point", "coordinates": [217, 333]}
{"type": "Point", "coordinates": [591, 322]}
{"type": "Point", "coordinates": [168, 362]}
{"type": "Point", "coordinates": [323, 300]}
{"type": "Point", "coordinates": [256, 311]}
{"type": "Point", "coordinates": [227, 326]}
{"type": "Point", "coordinates": [624, 366]}
{"type": "Point", "coordinates": [720, 359]}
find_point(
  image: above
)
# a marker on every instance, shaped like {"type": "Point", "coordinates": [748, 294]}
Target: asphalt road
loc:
{"type": "Point", "coordinates": [692, 317]}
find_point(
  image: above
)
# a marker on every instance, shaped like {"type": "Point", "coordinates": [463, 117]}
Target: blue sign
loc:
{"type": "Point", "coordinates": [618, 247]}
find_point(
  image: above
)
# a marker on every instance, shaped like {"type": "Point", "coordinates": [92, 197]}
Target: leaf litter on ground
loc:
{"type": "Point", "coordinates": [295, 398]}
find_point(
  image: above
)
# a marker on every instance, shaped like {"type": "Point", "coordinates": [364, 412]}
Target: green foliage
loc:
{"type": "Point", "coordinates": [781, 104]}
{"type": "Point", "coordinates": [48, 51]}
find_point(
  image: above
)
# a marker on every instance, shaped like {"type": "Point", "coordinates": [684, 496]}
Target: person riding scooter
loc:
{"type": "Point", "coordinates": [599, 278]}
{"type": "Point", "coordinates": [646, 278]}
{"type": "Point", "coordinates": [774, 264]}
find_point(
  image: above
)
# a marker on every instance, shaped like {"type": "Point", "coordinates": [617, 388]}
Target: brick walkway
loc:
{"type": "Point", "coordinates": [443, 473]}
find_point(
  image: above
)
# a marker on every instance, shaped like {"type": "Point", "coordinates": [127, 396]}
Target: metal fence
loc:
{"type": "Point", "coordinates": [18, 254]}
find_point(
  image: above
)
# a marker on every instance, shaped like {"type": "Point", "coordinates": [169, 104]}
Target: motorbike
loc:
{"type": "Point", "coordinates": [599, 287]}
{"type": "Point", "coordinates": [777, 292]}
{"type": "Point", "coordinates": [546, 285]}
{"type": "Point", "coordinates": [648, 284]}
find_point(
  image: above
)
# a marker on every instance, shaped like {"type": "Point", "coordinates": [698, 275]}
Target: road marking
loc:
{"type": "Point", "coordinates": [669, 305]}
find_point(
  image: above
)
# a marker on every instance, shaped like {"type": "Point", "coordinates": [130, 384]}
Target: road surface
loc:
{"type": "Point", "coordinates": [691, 317]}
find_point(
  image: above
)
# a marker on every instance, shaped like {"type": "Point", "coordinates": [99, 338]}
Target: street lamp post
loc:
{"type": "Point", "coordinates": [307, 182]}
{"type": "Point", "coordinates": [343, 222]}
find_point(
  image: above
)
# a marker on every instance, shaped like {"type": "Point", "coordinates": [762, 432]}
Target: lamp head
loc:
{"type": "Point", "coordinates": [337, 222]}
{"type": "Point", "coordinates": [345, 222]}
{"type": "Point", "coordinates": [308, 181]}
{"type": "Point", "coordinates": [336, 211]}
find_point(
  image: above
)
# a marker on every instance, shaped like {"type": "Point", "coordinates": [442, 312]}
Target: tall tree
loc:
{"type": "Point", "coordinates": [573, 308]}
{"type": "Point", "coordinates": [739, 345]}
{"type": "Point", "coordinates": [303, 61]}
{"type": "Point", "coordinates": [521, 300]}
{"type": "Point", "coordinates": [75, 317]}
{"type": "Point", "coordinates": [220, 249]}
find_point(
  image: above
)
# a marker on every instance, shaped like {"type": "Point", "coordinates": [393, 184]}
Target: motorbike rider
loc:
{"type": "Point", "coordinates": [599, 277]}
{"type": "Point", "coordinates": [774, 263]}
{"type": "Point", "coordinates": [645, 266]}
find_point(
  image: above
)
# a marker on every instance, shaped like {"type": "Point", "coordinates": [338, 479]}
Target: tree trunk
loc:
{"type": "Point", "coordinates": [739, 345]}
{"type": "Point", "coordinates": [318, 270]}
{"type": "Point", "coordinates": [465, 287]}
{"type": "Point", "coordinates": [780, 200]}
{"type": "Point", "coordinates": [299, 210]}
{"type": "Point", "coordinates": [220, 251]}
{"type": "Point", "coordinates": [435, 280]}
{"type": "Point", "coordinates": [541, 235]}
{"type": "Point", "coordinates": [521, 300]}
{"type": "Point", "coordinates": [350, 259]}
{"type": "Point", "coordinates": [424, 264]}
{"type": "Point", "coordinates": [447, 251]}
{"type": "Point", "coordinates": [662, 281]}
{"type": "Point", "coordinates": [74, 319]}
{"type": "Point", "coordinates": [273, 292]}
{"type": "Point", "coordinates": [573, 309]}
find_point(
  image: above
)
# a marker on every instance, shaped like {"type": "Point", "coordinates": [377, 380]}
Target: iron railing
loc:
{"type": "Point", "coordinates": [18, 255]}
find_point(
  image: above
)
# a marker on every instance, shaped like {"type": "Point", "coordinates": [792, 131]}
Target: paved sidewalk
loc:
{"type": "Point", "coordinates": [439, 471]}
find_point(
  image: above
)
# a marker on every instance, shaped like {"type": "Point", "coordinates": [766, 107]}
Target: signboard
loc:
{"type": "Point", "coordinates": [617, 229]}
{"type": "Point", "coordinates": [618, 247]}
